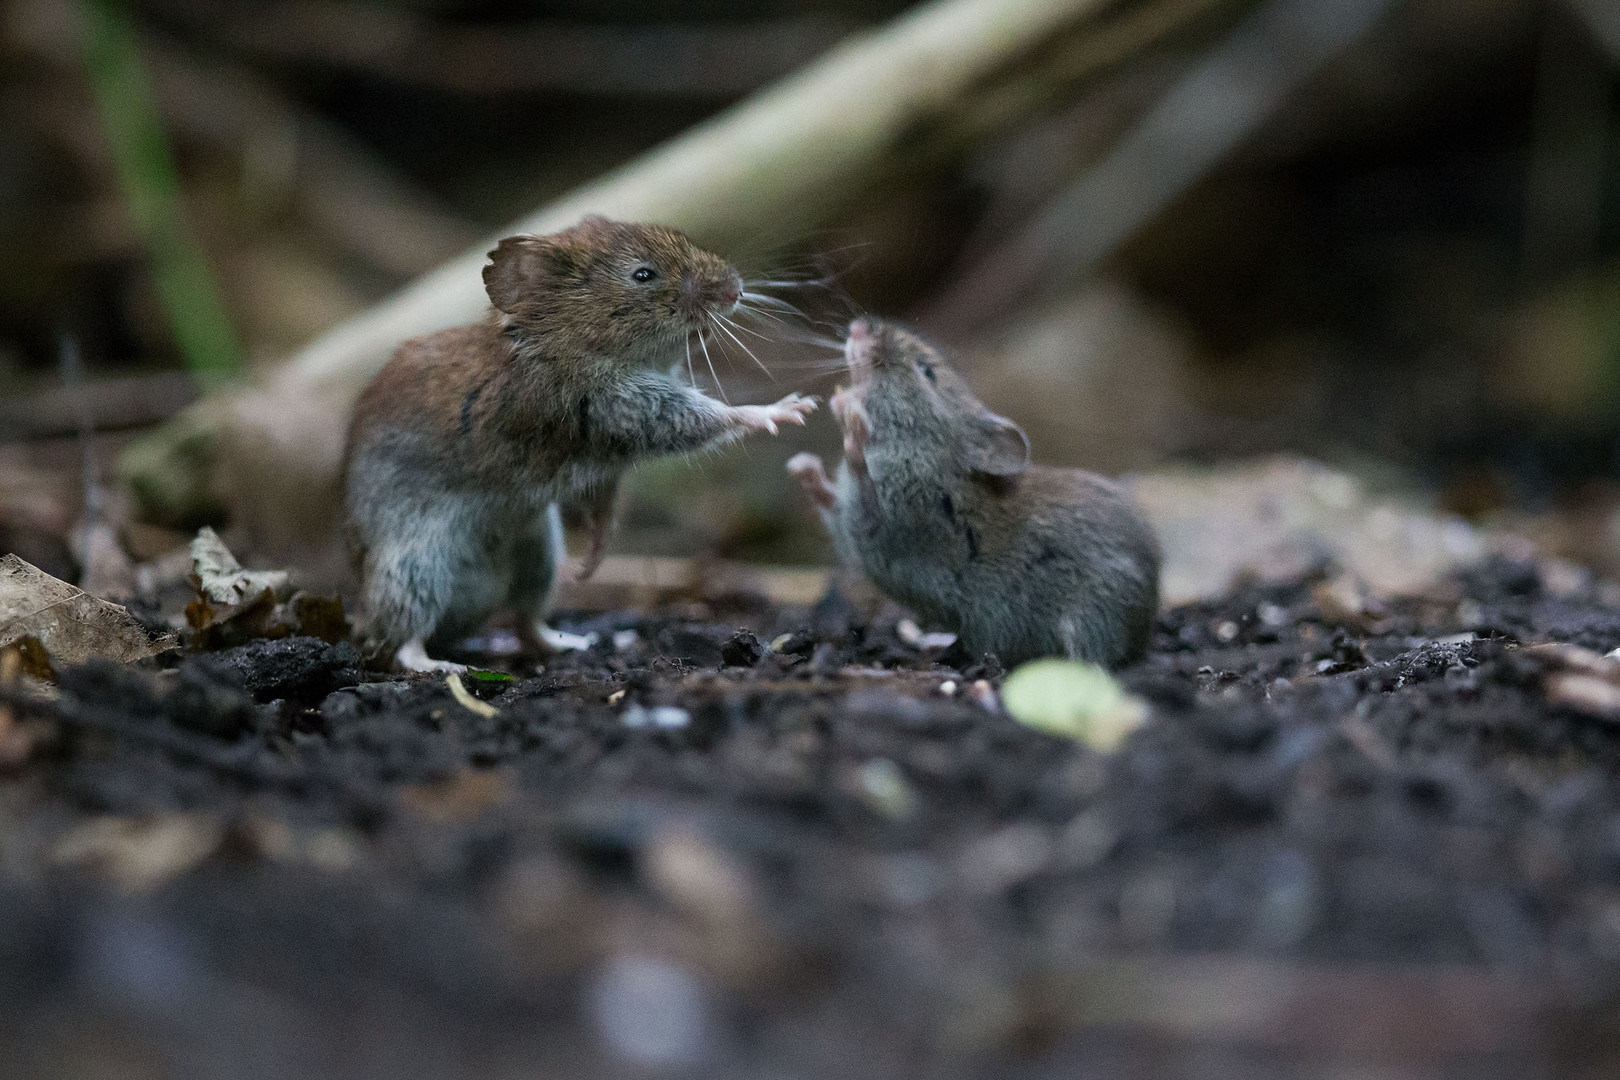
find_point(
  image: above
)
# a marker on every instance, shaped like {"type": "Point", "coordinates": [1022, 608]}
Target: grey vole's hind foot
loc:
{"type": "Point", "coordinates": [811, 473]}
{"type": "Point", "coordinates": [412, 656]}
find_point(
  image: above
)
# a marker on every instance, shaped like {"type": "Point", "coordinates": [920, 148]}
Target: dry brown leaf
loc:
{"type": "Point", "coordinates": [1574, 658]}
{"type": "Point", "coordinates": [220, 579]}
{"type": "Point", "coordinates": [320, 616]}
{"type": "Point", "coordinates": [1590, 695]}
{"type": "Point", "coordinates": [139, 854]}
{"type": "Point", "coordinates": [26, 656]}
{"type": "Point", "coordinates": [463, 795]}
{"type": "Point", "coordinates": [235, 606]}
{"type": "Point", "coordinates": [72, 625]}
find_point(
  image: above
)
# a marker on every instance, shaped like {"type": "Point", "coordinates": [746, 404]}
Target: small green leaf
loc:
{"type": "Point", "coordinates": [1075, 700]}
{"type": "Point", "coordinates": [489, 676]}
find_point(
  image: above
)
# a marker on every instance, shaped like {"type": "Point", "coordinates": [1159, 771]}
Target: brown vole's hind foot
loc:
{"type": "Point", "coordinates": [547, 641]}
{"type": "Point", "coordinates": [412, 656]}
{"type": "Point", "coordinates": [600, 513]}
{"type": "Point", "coordinates": [811, 473]}
{"type": "Point", "coordinates": [790, 410]}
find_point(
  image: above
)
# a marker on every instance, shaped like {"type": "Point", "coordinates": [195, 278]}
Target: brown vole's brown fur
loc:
{"type": "Point", "coordinates": [464, 444]}
{"type": "Point", "coordinates": [937, 504]}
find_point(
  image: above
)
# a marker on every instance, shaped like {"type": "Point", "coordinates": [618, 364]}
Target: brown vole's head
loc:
{"type": "Point", "coordinates": [608, 288]}
{"type": "Point", "coordinates": [915, 402]}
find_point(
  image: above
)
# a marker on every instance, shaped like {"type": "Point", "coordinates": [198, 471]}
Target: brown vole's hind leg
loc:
{"type": "Point", "coordinates": [412, 656]}
{"type": "Point", "coordinates": [536, 560]}
{"type": "Point", "coordinates": [409, 588]}
{"type": "Point", "coordinates": [600, 510]}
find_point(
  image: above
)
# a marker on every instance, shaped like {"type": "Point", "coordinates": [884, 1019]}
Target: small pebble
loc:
{"type": "Point", "coordinates": [663, 717]}
{"type": "Point", "coordinates": [651, 1011]}
{"type": "Point", "coordinates": [885, 788]}
{"type": "Point", "coordinates": [625, 639]}
{"type": "Point", "coordinates": [1272, 615]}
{"type": "Point", "coordinates": [948, 688]}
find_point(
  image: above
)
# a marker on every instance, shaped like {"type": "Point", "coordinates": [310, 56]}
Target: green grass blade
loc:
{"type": "Point", "coordinates": [151, 186]}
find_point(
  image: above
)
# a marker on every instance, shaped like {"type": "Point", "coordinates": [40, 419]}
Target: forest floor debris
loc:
{"type": "Point", "coordinates": [833, 865]}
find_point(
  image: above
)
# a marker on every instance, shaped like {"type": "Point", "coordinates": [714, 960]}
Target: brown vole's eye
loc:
{"type": "Point", "coordinates": [927, 369]}
{"type": "Point", "coordinates": [643, 273]}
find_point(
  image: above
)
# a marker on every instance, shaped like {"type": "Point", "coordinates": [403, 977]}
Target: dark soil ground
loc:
{"type": "Point", "coordinates": [1365, 845]}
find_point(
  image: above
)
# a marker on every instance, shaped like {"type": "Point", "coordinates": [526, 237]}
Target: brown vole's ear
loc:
{"type": "Point", "coordinates": [516, 264]}
{"type": "Point", "coordinates": [997, 446]}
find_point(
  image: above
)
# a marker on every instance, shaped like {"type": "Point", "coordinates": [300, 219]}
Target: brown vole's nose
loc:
{"type": "Point", "coordinates": [731, 288]}
{"type": "Point", "coordinates": [861, 330]}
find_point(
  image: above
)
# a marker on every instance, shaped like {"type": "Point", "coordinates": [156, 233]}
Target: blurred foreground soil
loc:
{"type": "Point", "coordinates": [1369, 837]}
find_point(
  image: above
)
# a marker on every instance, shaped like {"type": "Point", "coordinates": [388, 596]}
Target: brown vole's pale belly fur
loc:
{"type": "Point", "coordinates": [937, 504]}
{"type": "Point", "coordinates": [462, 447]}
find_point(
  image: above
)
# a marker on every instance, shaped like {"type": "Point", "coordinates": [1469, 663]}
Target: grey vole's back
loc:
{"type": "Point", "coordinates": [1055, 563]}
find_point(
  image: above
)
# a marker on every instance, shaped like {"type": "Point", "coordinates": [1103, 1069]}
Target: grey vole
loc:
{"type": "Point", "coordinates": [937, 503]}
{"type": "Point", "coordinates": [464, 444]}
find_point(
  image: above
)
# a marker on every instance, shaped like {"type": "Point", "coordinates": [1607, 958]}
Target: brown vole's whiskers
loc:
{"type": "Point", "coordinates": [735, 325]}
{"type": "Point", "coordinates": [724, 325]}
{"type": "Point", "coordinates": [691, 376]}
{"type": "Point", "coordinates": [758, 301]}
{"type": "Point", "coordinates": [721, 390]}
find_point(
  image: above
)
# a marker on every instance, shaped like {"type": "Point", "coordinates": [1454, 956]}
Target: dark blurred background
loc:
{"type": "Point", "coordinates": [1386, 234]}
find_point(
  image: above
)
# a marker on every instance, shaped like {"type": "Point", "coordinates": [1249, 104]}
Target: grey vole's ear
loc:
{"type": "Point", "coordinates": [515, 264]}
{"type": "Point", "coordinates": [998, 447]}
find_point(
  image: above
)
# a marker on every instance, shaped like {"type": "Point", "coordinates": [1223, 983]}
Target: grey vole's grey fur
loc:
{"type": "Point", "coordinates": [464, 444]}
{"type": "Point", "coordinates": [937, 503]}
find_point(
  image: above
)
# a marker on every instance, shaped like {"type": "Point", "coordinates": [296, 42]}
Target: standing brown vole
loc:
{"type": "Point", "coordinates": [464, 444]}
{"type": "Point", "coordinates": [937, 503]}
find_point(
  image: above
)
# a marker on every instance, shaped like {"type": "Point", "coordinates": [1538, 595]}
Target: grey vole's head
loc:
{"type": "Point", "coordinates": [916, 402]}
{"type": "Point", "coordinates": [608, 288]}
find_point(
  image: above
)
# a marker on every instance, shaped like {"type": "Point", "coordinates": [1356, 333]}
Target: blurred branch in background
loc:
{"type": "Point", "coordinates": [1570, 128]}
{"type": "Point", "coordinates": [631, 60]}
{"type": "Point", "coordinates": [339, 189]}
{"type": "Point", "coordinates": [151, 186]}
{"type": "Point", "coordinates": [784, 161]}
{"type": "Point", "coordinates": [1202, 120]}
{"type": "Point", "coordinates": [1603, 19]}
